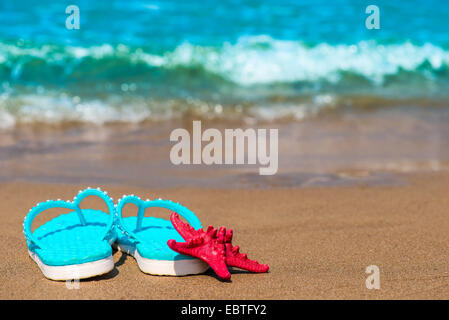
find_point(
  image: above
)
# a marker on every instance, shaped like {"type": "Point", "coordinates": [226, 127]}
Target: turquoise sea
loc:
{"type": "Point", "coordinates": [140, 60]}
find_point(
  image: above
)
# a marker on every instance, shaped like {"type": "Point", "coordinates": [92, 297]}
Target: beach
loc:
{"type": "Point", "coordinates": [351, 176]}
{"type": "Point", "coordinates": [352, 190]}
{"type": "Point", "coordinates": [318, 242]}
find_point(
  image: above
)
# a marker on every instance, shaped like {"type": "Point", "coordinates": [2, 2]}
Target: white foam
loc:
{"type": "Point", "coordinates": [265, 60]}
{"type": "Point", "coordinates": [7, 120]}
{"type": "Point", "coordinates": [54, 109]}
{"type": "Point", "coordinates": [261, 59]}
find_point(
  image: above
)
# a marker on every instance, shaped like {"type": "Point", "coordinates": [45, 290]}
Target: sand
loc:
{"type": "Point", "coordinates": [318, 242]}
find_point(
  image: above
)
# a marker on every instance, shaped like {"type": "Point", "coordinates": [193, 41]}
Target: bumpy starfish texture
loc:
{"type": "Point", "coordinates": [207, 246]}
{"type": "Point", "coordinates": [214, 247]}
{"type": "Point", "coordinates": [240, 260]}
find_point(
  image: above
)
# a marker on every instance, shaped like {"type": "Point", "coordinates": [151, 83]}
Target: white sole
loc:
{"type": "Point", "coordinates": [74, 271]}
{"type": "Point", "coordinates": [164, 267]}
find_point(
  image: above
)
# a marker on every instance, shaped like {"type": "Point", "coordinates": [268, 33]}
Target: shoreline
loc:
{"type": "Point", "coordinates": [367, 148]}
{"type": "Point", "coordinates": [317, 240]}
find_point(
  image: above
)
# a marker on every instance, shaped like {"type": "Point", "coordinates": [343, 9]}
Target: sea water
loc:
{"type": "Point", "coordinates": [137, 60]}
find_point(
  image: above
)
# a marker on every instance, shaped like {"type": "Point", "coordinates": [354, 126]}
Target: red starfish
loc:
{"type": "Point", "coordinates": [215, 248]}
{"type": "Point", "coordinates": [202, 245]}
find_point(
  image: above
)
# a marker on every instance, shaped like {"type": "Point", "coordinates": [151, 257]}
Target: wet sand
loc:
{"type": "Point", "coordinates": [331, 150]}
{"type": "Point", "coordinates": [318, 242]}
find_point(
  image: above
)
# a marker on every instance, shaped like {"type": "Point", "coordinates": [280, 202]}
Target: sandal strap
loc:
{"type": "Point", "coordinates": [143, 205]}
{"type": "Point", "coordinates": [75, 206]}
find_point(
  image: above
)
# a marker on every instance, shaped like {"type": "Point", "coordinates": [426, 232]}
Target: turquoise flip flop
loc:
{"type": "Point", "coordinates": [145, 238]}
{"type": "Point", "coordinates": [75, 245]}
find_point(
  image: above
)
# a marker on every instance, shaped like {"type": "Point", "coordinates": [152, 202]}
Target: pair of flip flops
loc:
{"type": "Point", "coordinates": [77, 245]}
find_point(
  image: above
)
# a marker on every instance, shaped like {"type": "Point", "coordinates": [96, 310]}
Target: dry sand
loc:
{"type": "Point", "coordinates": [317, 241]}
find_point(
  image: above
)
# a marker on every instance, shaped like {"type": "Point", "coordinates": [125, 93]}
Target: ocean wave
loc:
{"type": "Point", "coordinates": [250, 61]}
{"type": "Point", "coordinates": [258, 60]}
{"type": "Point", "coordinates": [59, 109]}
{"type": "Point", "coordinates": [254, 79]}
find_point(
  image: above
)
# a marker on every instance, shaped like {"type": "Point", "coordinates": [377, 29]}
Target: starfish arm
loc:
{"type": "Point", "coordinates": [180, 247]}
{"type": "Point", "coordinates": [184, 229]}
{"type": "Point", "coordinates": [240, 260]}
{"type": "Point", "coordinates": [247, 264]}
{"type": "Point", "coordinates": [214, 256]}
{"type": "Point", "coordinates": [219, 266]}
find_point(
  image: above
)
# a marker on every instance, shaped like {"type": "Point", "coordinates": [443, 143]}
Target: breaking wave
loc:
{"type": "Point", "coordinates": [256, 77]}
